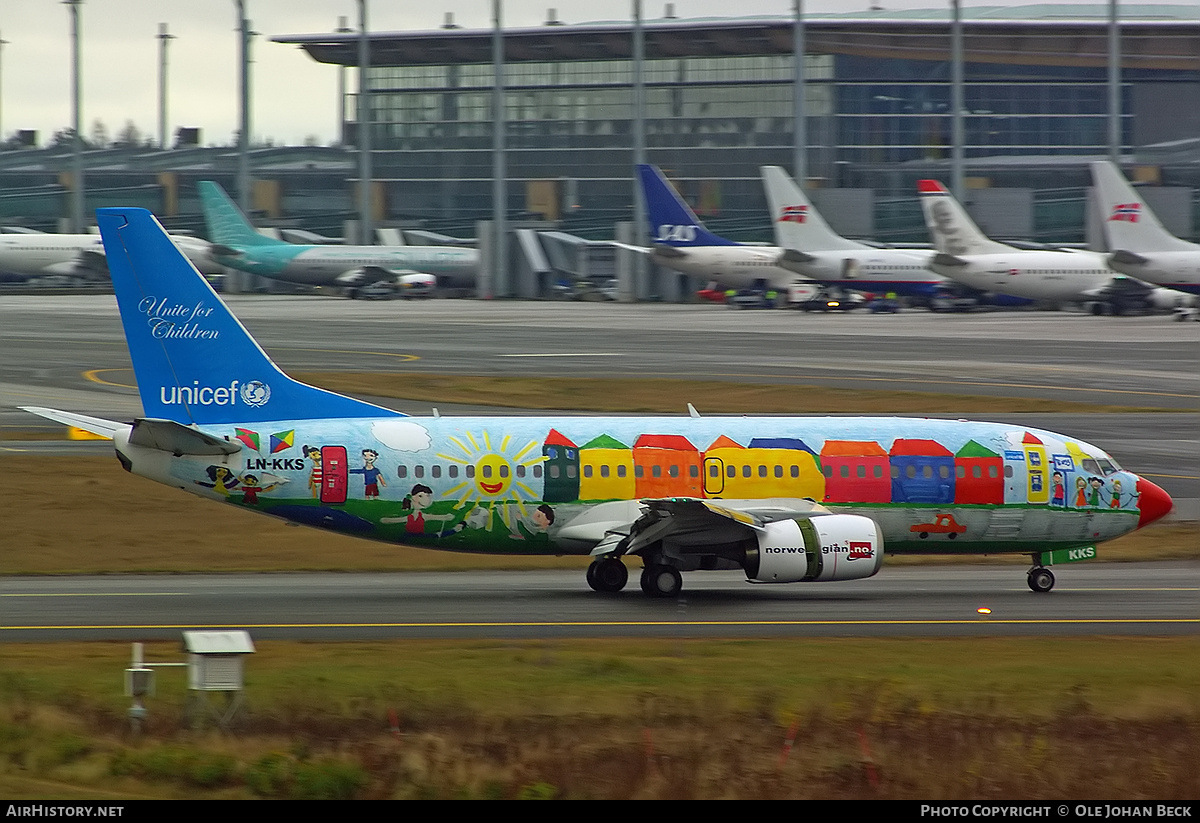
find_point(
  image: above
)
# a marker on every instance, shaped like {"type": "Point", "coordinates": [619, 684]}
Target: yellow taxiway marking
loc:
{"type": "Point", "coordinates": [626, 624]}
{"type": "Point", "coordinates": [94, 594]}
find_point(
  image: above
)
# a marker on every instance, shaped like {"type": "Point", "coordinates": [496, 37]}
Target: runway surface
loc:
{"type": "Point", "coordinates": [932, 601]}
{"type": "Point", "coordinates": [69, 352]}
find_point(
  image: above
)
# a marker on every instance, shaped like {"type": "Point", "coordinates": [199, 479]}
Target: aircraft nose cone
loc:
{"type": "Point", "coordinates": [1153, 502]}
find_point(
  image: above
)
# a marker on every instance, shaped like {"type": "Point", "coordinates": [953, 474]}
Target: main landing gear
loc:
{"type": "Point", "coordinates": [1040, 579]}
{"type": "Point", "coordinates": [609, 575]}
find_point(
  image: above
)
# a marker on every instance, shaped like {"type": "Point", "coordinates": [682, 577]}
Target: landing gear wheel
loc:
{"type": "Point", "coordinates": [608, 575]}
{"type": "Point", "coordinates": [661, 581]}
{"type": "Point", "coordinates": [1041, 579]}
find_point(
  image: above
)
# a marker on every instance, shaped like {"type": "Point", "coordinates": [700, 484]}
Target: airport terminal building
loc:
{"type": "Point", "coordinates": [719, 104]}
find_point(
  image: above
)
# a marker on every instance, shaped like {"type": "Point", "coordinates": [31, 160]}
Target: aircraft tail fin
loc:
{"type": "Point", "coordinates": [227, 226]}
{"type": "Point", "coordinates": [194, 362]}
{"type": "Point", "coordinates": [952, 229]}
{"type": "Point", "coordinates": [797, 224]}
{"type": "Point", "coordinates": [672, 221]}
{"type": "Point", "coordinates": [1129, 224]}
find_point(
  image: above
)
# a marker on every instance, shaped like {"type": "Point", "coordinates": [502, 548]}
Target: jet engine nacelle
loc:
{"type": "Point", "coordinates": [830, 547]}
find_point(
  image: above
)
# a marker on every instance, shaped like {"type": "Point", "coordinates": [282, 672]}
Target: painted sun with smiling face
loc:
{"type": "Point", "coordinates": [494, 472]}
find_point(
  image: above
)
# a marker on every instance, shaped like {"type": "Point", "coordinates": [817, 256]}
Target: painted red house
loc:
{"type": "Point", "coordinates": [979, 475]}
{"type": "Point", "coordinates": [856, 471]}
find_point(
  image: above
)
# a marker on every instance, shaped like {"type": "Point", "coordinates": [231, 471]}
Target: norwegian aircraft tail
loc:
{"type": "Point", "coordinates": [1129, 225]}
{"type": "Point", "coordinates": [194, 362]}
{"type": "Point", "coordinates": [797, 224]}
{"type": "Point", "coordinates": [953, 231]}
{"type": "Point", "coordinates": [672, 221]}
{"type": "Point", "coordinates": [227, 226]}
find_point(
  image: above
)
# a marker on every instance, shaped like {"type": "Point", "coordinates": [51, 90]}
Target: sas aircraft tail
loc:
{"type": "Point", "coordinates": [1129, 224]}
{"type": "Point", "coordinates": [797, 224]}
{"type": "Point", "coordinates": [194, 362]}
{"type": "Point", "coordinates": [227, 226]}
{"type": "Point", "coordinates": [672, 221]}
{"type": "Point", "coordinates": [953, 231]}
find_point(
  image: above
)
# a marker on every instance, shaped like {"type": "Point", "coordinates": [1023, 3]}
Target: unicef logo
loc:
{"type": "Point", "coordinates": [255, 393]}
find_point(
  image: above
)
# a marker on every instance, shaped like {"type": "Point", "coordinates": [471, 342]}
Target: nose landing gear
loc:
{"type": "Point", "coordinates": [1040, 579]}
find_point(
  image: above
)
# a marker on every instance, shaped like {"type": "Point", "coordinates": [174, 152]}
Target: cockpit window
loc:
{"type": "Point", "coordinates": [1108, 466]}
{"type": "Point", "coordinates": [1091, 466]}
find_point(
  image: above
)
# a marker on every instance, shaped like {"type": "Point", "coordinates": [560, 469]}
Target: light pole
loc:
{"type": "Point", "coordinates": [244, 119]}
{"type": "Point", "coordinates": [342, 29]}
{"type": "Point", "coordinates": [499, 279]}
{"type": "Point", "coordinates": [800, 126]}
{"type": "Point", "coordinates": [163, 39]}
{"type": "Point", "coordinates": [364, 129]}
{"type": "Point", "coordinates": [2, 44]}
{"type": "Point", "coordinates": [76, 118]}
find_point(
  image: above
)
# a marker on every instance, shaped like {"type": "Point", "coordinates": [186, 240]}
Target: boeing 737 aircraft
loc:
{"type": "Point", "coordinates": [79, 255]}
{"type": "Point", "coordinates": [785, 499]}
{"type": "Point", "coordinates": [236, 244]}
{"type": "Point", "coordinates": [812, 249]}
{"type": "Point", "coordinates": [965, 254]}
{"type": "Point", "coordinates": [1140, 247]}
{"type": "Point", "coordinates": [681, 242]}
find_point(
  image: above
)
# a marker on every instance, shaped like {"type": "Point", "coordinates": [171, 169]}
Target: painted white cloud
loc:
{"type": "Point", "coordinates": [401, 435]}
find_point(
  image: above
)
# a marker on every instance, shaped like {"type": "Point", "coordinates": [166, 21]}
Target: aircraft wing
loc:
{"type": "Point", "coordinates": [366, 275]}
{"type": "Point", "coordinates": [694, 521]}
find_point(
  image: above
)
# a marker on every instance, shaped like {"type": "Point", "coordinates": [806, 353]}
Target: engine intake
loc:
{"type": "Point", "coordinates": [830, 547]}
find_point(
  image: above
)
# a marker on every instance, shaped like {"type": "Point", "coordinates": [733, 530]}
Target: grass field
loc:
{"type": "Point", "coordinates": [1046, 718]}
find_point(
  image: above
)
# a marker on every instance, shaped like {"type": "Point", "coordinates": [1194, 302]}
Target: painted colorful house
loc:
{"type": "Point", "coordinates": [922, 472]}
{"type": "Point", "coordinates": [722, 463]}
{"type": "Point", "coordinates": [561, 469]}
{"type": "Point", "coordinates": [856, 471]}
{"type": "Point", "coordinates": [979, 475]}
{"type": "Point", "coordinates": [791, 468]}
{"type": "Point", "coordinates": [667, 465]}
{"type": "Point", "coordinates": [606, 470]}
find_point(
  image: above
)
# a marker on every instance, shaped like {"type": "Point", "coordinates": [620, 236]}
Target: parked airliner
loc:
{"type": "Point", "coordinates": [812, 249]}
{"type": "Point", "coordinates": [681, 242]}
{"type": "Point", "coordinates": [786, 499]}
{"type": "Point", "coordinates": [1139, 246]}
{"type": "Point", "coordinates": [965, 254]}
{"type": "Point", "coordinates": [38, 254]}
{"type": "Point", "coordinates": [236, 244]}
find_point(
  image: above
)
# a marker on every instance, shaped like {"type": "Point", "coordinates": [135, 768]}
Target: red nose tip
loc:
{"type": "Point", "coordinates": [1153, 502]}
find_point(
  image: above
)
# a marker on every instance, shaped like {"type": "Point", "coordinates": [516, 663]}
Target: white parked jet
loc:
{"type": "Point", "coordinates": [40, 254]}
{"type": "Point", "coordinates": [965, 254]}
{"type": "Point", "coordinates": [1140, 247]}
{"type": "Point", "coordinates": [681, 242]}
{"type": "Point", "coordinates": [812, 249]}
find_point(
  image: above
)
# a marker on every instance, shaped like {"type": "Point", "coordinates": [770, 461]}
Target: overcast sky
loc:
{"type": "Point", "coordinates": [293, 97]}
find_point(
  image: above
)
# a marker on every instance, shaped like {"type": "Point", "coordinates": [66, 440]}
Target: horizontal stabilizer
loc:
{"type": "Point", "coordinates": [668, 252]}
{"type": "Point", "coordinates": [95, 425]}
{"type": "Point", "coordinates": [795, 256]}
{"type": "Point", "coordinates": [178, 439]}
{"type": "Point", "coordinates": [943, 259]}
{"type": "Point", "coordinates": [1127, 257]}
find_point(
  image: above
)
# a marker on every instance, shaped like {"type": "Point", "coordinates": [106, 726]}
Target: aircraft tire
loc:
{"type": "Point", "coordinates": [1041, 579]}
{"type": "Point", "coordinates": [660, 580]}
{"type": "Point", "coordinates": [607, 576]}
